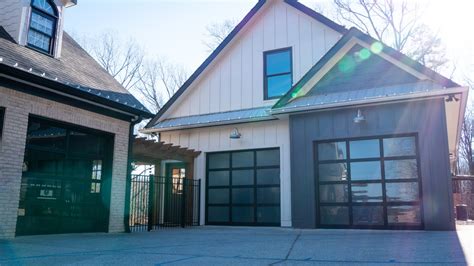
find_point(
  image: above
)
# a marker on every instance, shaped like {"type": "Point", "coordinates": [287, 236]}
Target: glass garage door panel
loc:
{"type": "Point", "coordinates": [369, 183]}
{"type": "Point", "coordinates": [243, 188]}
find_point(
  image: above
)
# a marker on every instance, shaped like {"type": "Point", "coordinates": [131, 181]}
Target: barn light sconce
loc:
{"type": "Point", "coordinates": [359, 118]}
{"type": "Point", "coordinates": [235, 134]}
{"type": "Point", "coordinates": [452, 98]}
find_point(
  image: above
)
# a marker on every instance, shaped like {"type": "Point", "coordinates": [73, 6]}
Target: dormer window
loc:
{"type": "Point", "coordinates": [43, 22]}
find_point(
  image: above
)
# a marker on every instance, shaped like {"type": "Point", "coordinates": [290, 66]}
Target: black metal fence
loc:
{"type": "Point", "coordinates": [163, 202]}
{"type": "Point", "coordinates": [463, 193]}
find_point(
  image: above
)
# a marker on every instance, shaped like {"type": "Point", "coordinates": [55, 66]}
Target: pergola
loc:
{"type": "Point", "coordinates": [150, 152]}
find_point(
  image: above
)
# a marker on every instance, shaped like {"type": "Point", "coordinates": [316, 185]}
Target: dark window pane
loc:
{"type": "Point", "coordinates": [243, 214]}
{"type": "Point", "coordinates": [278, 62]}
{"type": "Point", "coordinates": [86, 143]}
{"type": "Point", "coordinates": [242, 195]}
{"type": "Point", "coordinates": [268, 176]}
{"type": "Point", "coordinates": [268, 195]}
{"type": "Point", "coordinates": [43, 134]}
{"type": "Point", "coordinates": [268, 158]}
{"type": "Point", "coordinates": [366, 171]}
{"type": "Point", "coordinates": [401, 169]}
{"type": "Point", "coordinates": [332, 151]}
{"type": "Point", "coordinates": [404, 215]}
{"type": "Point", "coordinates": [42, 24]}
{"type": "Point", "coordinates": [219, 160]}
{"type": "Point", "coordinates": [218, 196]}
{"type": "Point", "coordinates": [334, 215]}
{"type": "Point", "coordinates": [218, 178]}
{"type": "Point", "coordinates": [364, 149]}
{"type": "Point", "coordinates": [333, 172]}
{"type": "Point", "coordinates": [399, 146]}
{"type": "Point", "coordinates": [278, 85]}
{"type": "Point", "coordinates": [367, 215]}
{"type": "Point", "coordinates": [242, 159]}
{"type": "Point", "coordinates": [402, 191]}
{"type": "Point", "coordinates": [242, 177]}
{"type": "Point", "coordinates": [363, 192]}
{"type": "Point", "coordinates": [268, 215]}
{"type": "Point", "coordinates": [217, 214]}
{"type": "Point", "coordinates": [333, 193]}
{"type": "Point", "coordinates": [43, 162]}
{"type": "Point", "coordinates": [39, 40]}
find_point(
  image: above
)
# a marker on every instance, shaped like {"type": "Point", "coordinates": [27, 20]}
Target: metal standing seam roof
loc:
{"type": "Point", "coordinates": [222, 118]}
{"type": "Point", "coordinates": [320, 100]}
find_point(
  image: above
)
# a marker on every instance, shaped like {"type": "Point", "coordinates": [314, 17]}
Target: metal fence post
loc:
{"type": "Point", "coordinates": [199, 203]}
{"type": "Point", "coordinates": [183, 205]}
{"type": "Point", "coordinates": [151, 196]}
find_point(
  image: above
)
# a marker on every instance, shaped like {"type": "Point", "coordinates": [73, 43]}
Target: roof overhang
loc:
{"type": "Point", "coordinates": [69, 3]}
{"type": "Point", "coordinates": [52, 86]}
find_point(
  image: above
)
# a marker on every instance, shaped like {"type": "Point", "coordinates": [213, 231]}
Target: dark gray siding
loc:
{"type": "Point", "coordinates": [427, 118]}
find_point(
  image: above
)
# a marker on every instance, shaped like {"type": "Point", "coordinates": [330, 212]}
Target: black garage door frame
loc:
{"type": "Point", "coordinates": [384, 203]}
{"type": "Point", "coordinates": [255, 187]}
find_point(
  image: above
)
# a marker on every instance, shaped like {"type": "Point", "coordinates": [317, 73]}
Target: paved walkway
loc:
{"type": "Point", "coordinates": [244, 246]}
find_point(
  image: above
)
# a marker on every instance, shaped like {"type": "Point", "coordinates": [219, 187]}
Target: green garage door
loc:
{"type": "Point", "coordinates": [65, 186]}
{"type": "Point", "coordinates": [243, 188]}
{"type": "Point", "coordinates": [369, 183]}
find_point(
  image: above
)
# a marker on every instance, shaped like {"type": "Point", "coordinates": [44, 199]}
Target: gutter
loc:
{"type": "Point", "coordinates": [380, 100]}
{"type": "Point", "coordinates": [128, 183]}
{"type": "Point", "coordinates": [202, 125]}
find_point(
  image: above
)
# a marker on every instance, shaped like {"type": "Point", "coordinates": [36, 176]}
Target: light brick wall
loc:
{"type": "Point", "coordinates": [12, 146]}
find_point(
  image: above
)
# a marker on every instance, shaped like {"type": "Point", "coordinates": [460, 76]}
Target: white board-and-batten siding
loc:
{"type": "Point", "coordinates": [235, 79]}
{"type": "Point", "coordinates": [269, 134]}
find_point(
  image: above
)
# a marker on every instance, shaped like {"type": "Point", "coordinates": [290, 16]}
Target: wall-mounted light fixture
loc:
{"type": "Point", "coordinates": [359, 118]}
{"type": "Point", "coordinates": [235, 134]}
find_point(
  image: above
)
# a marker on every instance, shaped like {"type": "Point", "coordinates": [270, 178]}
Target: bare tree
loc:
{"type": "Point", "coordinates": [397, 23]}
{"type": "Point", "coordinates": [122, 60]}
{"type": "Point", "coordinates": [465, 163]}
{"type": "Point", "coordinates": [158, 81]}
{"type": "Point", "coordinates": [216, 32]}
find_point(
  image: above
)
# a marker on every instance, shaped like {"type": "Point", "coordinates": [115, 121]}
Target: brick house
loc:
{"type": "Point", "coordinates": [65, 128]}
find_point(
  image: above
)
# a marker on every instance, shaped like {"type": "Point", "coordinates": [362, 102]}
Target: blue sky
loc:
{"type": "Point", "coordinates": [176, 29]}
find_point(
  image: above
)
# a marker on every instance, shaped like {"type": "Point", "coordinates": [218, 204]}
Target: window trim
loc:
{"type": "Point", "coordinates": [384, 203]}
{"type": "Point", "coordinates": [265, 76]}
{"type": "Point", "coordinates": [55, 18]}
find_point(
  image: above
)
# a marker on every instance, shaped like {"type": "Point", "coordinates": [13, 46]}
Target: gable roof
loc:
{"type": "Point", "coordinates": [76, 71]}
{"type": "Point", "coordinates": [294, 3]}
{"type": "Point", "coordinates": [355, 33]}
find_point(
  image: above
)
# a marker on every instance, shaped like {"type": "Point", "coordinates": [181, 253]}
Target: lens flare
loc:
{"type": "Point", "coordinates": [347, 64]}
{"type": "Point", "coordinates": [364, 54]}
{"type": "Point", "coordinates": [376, 47]}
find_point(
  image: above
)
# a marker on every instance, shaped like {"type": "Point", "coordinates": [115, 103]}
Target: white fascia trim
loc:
{"type": "Point", "coordinates": [414, 96]}
{"type": "Point", "coordinates": [201, 125]}
{"type": "Point", "coordinates": [462, 109]}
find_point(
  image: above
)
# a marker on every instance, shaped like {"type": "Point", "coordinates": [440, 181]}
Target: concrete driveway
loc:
{"type": "Point", "coordinates": [244, 246]}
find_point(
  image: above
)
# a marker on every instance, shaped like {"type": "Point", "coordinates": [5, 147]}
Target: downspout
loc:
{"type": "Point", "coordinates": [128, 183]}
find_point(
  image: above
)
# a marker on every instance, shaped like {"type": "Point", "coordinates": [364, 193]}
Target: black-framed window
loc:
{"type": "Point", "coordinates": [2, 119]}
{"type": "Point", "coordinates": [43, 23]}
{"type": "Point", "coordinates": [369, 182]}
{"type": "Point", "coordinates": [243, 187]}
{"type": "Point", "coordinates": [278, 76]}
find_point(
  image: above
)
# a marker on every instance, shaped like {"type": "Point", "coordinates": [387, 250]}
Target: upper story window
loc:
{"type": "Point", "coordinates": [43, 22]}
{"type": "Point", "coordinates": [278, 73]}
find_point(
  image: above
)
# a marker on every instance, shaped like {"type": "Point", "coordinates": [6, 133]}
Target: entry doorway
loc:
{"type": "Point", "coordinates": [176, 173]}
